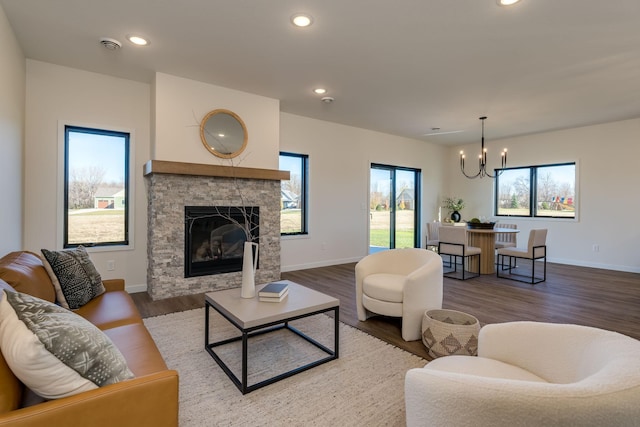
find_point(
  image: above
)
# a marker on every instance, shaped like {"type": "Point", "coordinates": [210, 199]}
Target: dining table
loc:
{"type": "Point", "coordinates": [485, 239]}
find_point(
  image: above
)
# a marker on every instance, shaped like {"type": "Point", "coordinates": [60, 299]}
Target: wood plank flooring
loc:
{"type": "Point", "coordinates": [586, 296]}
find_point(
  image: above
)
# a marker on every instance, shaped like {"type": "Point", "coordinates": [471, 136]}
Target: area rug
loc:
{"type": "Point", "coordinates": [364, 387]}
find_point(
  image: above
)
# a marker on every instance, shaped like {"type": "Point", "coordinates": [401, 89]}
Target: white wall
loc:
{"type": "Point", "coordinates": [12, 88]}
{"type": "Point", "coordinates": [179, 106]}
{"type": "Point", "coordinates": [607, 197]}
{"type": "Point", "coordinates": [339, 161]}
{"type": "Point", "coordinates": [58, 95]}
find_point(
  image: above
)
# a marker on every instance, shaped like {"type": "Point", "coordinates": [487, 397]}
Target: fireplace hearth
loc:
{"type": "Point", "coordinates": [215, 237]}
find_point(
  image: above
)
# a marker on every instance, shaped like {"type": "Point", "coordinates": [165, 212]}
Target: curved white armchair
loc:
{"type": "Point", "coordinates": [531, 374]}
{"type": "Point", "coordinates": [399, 283]}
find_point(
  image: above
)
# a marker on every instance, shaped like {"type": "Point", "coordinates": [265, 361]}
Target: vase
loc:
{"type": "Point", "coordinates": [249, 265]}
{"type": "Point", "coordinates": [455, 216]}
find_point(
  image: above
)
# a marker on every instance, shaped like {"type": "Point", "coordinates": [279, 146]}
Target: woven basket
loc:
{"type": "Point", "coordinates": [449, 332]}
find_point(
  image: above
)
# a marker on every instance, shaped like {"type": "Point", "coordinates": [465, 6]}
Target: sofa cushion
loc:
{"type": "Point", "coordinates": [138, 348]}
{"type": "Point", "coordinates": [25, 272]}
{"type": "Point", "coordinates": [54, 351]}
{"type": "Point", "coordinates": [74, 276]}
{"type": "Point", "coordinates": [110, 310]}
{"type": "Point", "coordinates": [482, 367]}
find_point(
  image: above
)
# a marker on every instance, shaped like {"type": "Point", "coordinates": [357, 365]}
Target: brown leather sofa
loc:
{"type": "Point", "coordinates": [149, 399]}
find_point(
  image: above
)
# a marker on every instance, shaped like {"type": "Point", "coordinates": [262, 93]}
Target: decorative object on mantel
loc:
{"type": "Point", "coordinates": [249, 265]}
{"type": "Point", "coordinates": [454, 205]}
{"type": "Point", "coordinates": [482, 160]}
{"type": "Point", "coordinates": [223, 133]}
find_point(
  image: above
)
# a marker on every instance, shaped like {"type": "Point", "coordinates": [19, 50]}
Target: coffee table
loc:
{"type": "Point", "coordinates": [253, 317]}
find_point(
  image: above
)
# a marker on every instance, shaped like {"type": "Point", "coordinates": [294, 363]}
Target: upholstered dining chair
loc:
{"type": "Point", "coordinates": [531, 374]}
{"type": "Point", "coordinates": [432, 235]}
{"type": "Point", "coordinates": [506, 240]}
{"type": "Point", "coordinates": [453, 244]}
{"type": "Point", "coordinates": [536, 249]}
{"type": "Point", "coordinates": [399, 283]}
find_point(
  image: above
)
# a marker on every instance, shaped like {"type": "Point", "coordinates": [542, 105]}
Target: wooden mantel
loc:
{"type": "Point", "coordinates": [197, 169]}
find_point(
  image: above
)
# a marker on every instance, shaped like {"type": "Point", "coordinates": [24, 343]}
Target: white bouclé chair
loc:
{"type": "Point", "coordinates": [399, 283]}
{"type": "Point", "coordinates": [531, 374]}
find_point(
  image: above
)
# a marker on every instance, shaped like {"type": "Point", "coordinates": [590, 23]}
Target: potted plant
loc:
{"type": "Point", "coordinates": [454, 205]}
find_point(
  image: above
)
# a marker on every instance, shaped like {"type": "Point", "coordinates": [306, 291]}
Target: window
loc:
{"type": "Point", "coordinates": [394, 207]}
{"type": "Point", "coordinates": [537, 191]}
{"type": "Point", "coordinates": [96, 187]}
{"type": "Point", "coordinates": [293, 194]}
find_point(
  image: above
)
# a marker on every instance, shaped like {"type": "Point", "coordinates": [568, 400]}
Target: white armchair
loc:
{"type": "Point", "coordinates": [399, 283]}
{"type": "Point", "coordinates": [531, 374]}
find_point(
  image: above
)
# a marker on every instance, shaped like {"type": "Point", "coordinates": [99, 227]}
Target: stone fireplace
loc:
{"type": "Point", "coordinates": [172, 187]}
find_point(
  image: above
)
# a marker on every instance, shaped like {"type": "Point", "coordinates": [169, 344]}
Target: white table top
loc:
{"type": "Point", "coordinates": [251, 312]}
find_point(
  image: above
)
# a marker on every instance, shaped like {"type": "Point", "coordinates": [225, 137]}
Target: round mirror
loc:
{"type": "Point", "coordinates": [223, 133]}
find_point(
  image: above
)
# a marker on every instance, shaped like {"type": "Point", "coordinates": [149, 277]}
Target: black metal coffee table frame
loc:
{"type": "Point", "coordinates": [247, 333]}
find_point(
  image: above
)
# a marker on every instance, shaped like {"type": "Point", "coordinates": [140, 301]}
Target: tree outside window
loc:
{"type": "Point", "coordinates": [537, 191]}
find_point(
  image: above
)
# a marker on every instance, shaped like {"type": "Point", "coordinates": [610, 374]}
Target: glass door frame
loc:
{"type": "Point", "coordinates": [417, 178]}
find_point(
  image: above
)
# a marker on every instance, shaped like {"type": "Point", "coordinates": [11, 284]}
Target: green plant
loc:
{"type": "Point", "coordinates": [453, 204]}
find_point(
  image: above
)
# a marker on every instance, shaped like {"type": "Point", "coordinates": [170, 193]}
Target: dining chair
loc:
{"type": "Point", "coordinates": [536, 249]}
{"type": "Point", "coordinates": [432, 235]}
{"type": "Point", "coordinates": [453, 243]}
{"type": "Point", "coordinates": [506, 240]}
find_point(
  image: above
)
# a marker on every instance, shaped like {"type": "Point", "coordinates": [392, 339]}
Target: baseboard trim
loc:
{"type": "Point", "coordinates": [614, 267]}
{"type": "Point", "coordinates": [133, 289]}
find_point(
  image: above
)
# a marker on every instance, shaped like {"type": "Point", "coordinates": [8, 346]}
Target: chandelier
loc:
{"type": "Point", "coordinates": [482, 160]}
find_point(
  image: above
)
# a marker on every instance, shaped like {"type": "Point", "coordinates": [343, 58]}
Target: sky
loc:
{"type": "Point", "coordinates": [86, 150]}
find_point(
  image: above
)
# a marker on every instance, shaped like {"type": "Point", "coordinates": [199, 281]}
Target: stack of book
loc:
{"type": "Point", "coordinates": [274, 292]}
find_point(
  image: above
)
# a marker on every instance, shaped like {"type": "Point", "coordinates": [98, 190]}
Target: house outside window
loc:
{"type": "Point", "coordinates": [96, 185]}
{"type": "Point", "coordinates": [545, 191]}
{"type": "Point", "coordinates": [293, 194]}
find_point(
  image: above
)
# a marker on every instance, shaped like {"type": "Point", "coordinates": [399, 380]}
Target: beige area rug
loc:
{"type": "Point", "coordinates": [364, 387]}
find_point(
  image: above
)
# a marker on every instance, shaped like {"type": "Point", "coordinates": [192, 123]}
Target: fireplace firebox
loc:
{"type": "Point", "coordinates": [215, 237]}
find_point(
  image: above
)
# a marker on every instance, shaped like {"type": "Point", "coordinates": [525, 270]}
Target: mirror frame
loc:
{"type": "Point", "coordinates": [210, 147]}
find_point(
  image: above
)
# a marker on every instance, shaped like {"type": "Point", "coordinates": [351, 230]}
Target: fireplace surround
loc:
{"type": "Point", "coordinates": [171, 186]}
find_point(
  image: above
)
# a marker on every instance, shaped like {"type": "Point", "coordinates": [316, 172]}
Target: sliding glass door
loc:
{"type": "Point", "coordinates": [393, 207]}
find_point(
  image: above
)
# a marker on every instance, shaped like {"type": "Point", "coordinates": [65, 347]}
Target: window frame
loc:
{"type": "Point", "coordinates": [304, 197]}
{"type": "Point", "coordinates": [533, 191]}
{"type": "Point", "coordinates": [63, 192]}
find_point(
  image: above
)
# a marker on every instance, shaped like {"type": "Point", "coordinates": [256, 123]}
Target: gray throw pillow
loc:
{"type": "Point", "coordinates": [54, 351]}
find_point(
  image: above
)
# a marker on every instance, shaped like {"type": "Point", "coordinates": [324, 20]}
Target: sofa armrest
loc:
{"type": "Point", "coordinates": [113, 284]}
{"type": "Point", "coordinates": [150, 400]}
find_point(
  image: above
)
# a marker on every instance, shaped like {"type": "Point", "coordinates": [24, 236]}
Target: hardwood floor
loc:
{"type": "Point", "coordinates": [586, 296]}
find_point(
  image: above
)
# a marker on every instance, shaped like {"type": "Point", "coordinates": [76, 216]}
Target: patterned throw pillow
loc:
{"type": "Point", "coordinates": [74, 276]}
{"type": "Point", "coordinates": [53, 351]}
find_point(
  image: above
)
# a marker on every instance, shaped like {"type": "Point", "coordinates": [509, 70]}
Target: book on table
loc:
{"type": "Point", "coordinates": [274, 299]}
{"type": "Point", "coordinates": [274, 289]}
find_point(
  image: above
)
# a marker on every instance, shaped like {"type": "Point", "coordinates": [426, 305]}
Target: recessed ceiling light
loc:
{"type": "Point", "coordinates": [301, 20]}
{"type": "Point", "coordinates": [137, 40]}
{"type": "Point", "coordinates": [320, 91]}
{"type": "Point", "coordinates": [507, 2]}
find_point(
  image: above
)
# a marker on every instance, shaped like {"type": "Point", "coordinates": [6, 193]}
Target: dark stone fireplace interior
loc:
{"type": "Point", "coordinates": [214, 238]}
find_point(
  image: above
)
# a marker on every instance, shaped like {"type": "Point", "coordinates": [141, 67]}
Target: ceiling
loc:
{"type": "Point", "coordinates": [400, 67]}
